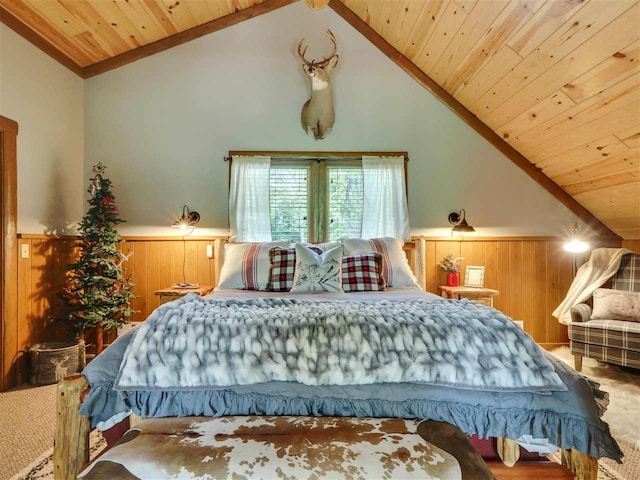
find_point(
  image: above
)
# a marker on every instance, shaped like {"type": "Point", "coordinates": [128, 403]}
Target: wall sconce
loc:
{"type": "Point", "coordinates": [575, 245]}
{"type": "Point", "coordinates": [459, 222]}
{"type": "Point", "coordinates": [188, 219]}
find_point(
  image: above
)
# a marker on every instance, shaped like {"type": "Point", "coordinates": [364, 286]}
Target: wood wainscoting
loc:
{"type": "Point", "coordinates": [157, 262]}
{"type": "Point", "coordinates": [154, 263]}
{"type": "Point", "coordinates": [633, 245]}
{"type": "Point", "coordinates": [531, 273]}
{"type": "Point", "coordinates": [41, 277]}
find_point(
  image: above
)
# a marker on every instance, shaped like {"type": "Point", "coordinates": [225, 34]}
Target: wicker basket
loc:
{"type": "Point", "coordinates": [52, 361]}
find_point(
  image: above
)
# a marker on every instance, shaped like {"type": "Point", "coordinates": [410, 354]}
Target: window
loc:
{"type": "Point", "coordinates": [345, 202]}
{"type": "Point", "coordinates": [289, 203]}
{"type": "Point", "coordinates": [302, 199]}
{"type": "Point", "coordinates": [318, 200]}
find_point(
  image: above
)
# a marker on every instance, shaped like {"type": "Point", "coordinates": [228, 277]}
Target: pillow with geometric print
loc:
{"type": "Point", "coordinates": [283, 266]}
{"type": "Point", "coordinates": [396, 269]}
{"type": "Point", "coordinates": [363, 273]}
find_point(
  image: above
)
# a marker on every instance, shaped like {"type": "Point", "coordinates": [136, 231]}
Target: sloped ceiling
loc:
{"type": "Point", "coordinates": [557, 80]}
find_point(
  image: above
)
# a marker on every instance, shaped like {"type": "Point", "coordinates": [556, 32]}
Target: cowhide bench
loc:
{"type": "Point", "coordinates": [289, 448]}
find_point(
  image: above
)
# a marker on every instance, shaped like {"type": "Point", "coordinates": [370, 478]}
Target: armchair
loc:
{"type": "Point", "coordinates": [610, 341]}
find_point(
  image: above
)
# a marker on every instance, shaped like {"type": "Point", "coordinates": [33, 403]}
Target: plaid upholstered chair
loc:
{"type": "Point", "coordinates": [610, 341]}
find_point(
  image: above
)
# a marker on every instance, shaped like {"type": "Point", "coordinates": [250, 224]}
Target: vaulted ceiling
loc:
{"type": "Point", "coordinates": [556, 82]}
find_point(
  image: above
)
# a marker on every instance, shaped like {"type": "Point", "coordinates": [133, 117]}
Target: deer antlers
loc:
{"type": "Point", "coordinates": [317, 115]}
{"type": "Point", "coordinates": [325, 60]}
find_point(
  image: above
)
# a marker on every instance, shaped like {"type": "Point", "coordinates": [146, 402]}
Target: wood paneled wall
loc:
{"type": "Point", "coordinates": [633, 245]}
{"type": "Point", "coordinates": [532, 275]}
{"type": "Point", "coordinates": [41, 277]}
{"type": "Point", "coordinates": [157, 263]}
{"type": "Point", "coordinates": [153, 263]}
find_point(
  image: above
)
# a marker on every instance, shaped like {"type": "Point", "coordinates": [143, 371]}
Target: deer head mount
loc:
{"type": "Point", "coordinates": [317, 113]}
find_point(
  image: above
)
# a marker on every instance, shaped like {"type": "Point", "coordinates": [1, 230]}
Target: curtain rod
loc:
{"type": "Point", "coordinates": [279, 155]}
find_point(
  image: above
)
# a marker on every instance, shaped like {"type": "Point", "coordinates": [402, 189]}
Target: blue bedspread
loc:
{"type": "Point", "coordinates": [487, 414]}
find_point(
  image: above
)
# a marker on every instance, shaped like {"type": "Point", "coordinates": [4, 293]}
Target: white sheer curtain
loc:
{"type": "Point", "coordinates": [385, 212]}
{"type": "Point", "coordinates": [249, 216]}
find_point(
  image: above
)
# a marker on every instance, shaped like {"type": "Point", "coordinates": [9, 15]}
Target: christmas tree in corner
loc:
{"type": "Point", "coordinates": [97, 292]}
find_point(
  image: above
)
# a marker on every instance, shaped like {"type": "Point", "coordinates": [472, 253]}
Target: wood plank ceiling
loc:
{"type": "Point", "coordinates": [558, 80]}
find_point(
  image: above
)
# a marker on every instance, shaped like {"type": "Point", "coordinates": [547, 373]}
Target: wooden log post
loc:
{"type": "Point", "coordinates": [582, 465]}
{"type": "Point", "coordinates": [71, 444]}
{"type": "Point", "coordinates": [134, 420]}
{"type": "Point", "coordinates": [508, 450]}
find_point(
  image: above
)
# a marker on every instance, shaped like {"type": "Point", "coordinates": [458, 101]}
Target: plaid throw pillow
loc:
{"type": "Point", "coordinates": [363, 273]}
{"type": "Point", "coordinates": [397, 272]}
{"type": "Point", "coordinates": [283, 266]}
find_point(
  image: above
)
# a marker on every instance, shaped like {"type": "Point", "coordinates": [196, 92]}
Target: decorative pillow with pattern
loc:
{"type": "Point", "coordinates": [283, 265]}
{"type": "Point", "coordinates": [317, 272]}
{"type": "Point", "coordinates": [246, 265]}
{"type": "Point", "coordinates": [609, 304]}
{"type": "Point", "coordinates": [322, 246]}
{"type": "Point", "coordinates": [396, 269]}
{"type": "Point", "coordinates": [363, 273]}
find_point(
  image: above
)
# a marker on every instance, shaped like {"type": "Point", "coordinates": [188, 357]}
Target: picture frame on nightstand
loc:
{"type": "Point", "coordinates": [474, 276]}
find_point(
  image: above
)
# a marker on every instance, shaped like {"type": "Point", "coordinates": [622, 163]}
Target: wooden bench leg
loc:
{"type": "Point", "coordinates": [577, 360]}
{"type": "Point", "coordinates": [71, 444]}
{"type": "Point", "coordinates": [508, 450]}
{"type": "Point", "coordinates": [451, 439]}
{"type": "Point", "coordinates": [583, 466]}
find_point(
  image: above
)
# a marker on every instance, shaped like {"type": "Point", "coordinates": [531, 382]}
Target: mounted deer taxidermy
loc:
{"type": "Point", "coordinates": [317, 113]}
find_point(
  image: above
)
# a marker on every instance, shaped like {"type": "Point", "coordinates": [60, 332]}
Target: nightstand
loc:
{"type": "Point", "coordinates": [173, 293]}
{"type": "Point", "coordinates": [479, 295]}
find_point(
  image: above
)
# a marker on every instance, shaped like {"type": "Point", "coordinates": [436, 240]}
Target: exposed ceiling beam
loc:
{"type": "Point", "coordinates": [30, 35]}
{"type": "Point", "coordinates": [474, 122]}
{"type": "Point", "coordinates": [184, 36]}
{"type": "Point", "coordinates": [47, 47]}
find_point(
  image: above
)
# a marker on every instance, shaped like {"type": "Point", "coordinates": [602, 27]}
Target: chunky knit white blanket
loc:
{"type": "Point", "coordinates": [195, 343]}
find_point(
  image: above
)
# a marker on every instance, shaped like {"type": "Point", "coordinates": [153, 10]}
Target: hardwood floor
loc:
{"type": "Point", "coordinates": [524, 470]}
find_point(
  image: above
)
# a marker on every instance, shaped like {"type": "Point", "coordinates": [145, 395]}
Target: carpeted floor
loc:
{"type": "Point", "coordinates": [27, 423]}
{"type": "Point", "coordinates": [629, 470]}
{"type": "Point", "coordinates": [623, 385]}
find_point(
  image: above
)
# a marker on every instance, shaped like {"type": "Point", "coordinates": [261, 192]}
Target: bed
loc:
{"type": "Point", "coordinates": [435, 381]}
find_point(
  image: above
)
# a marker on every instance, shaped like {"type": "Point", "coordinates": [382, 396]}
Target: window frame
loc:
{"type": "Point", "coordinates": [319, 164]}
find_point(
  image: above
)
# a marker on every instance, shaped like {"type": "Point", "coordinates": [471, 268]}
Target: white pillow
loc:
{"type": "Point", "coordinates": [396, 269]}
{"type": "Point", "coordinates": [246, 265]}
{"type": "Point", "coordinates": [317, 272]}
{"type": "Point", "coordinates": [323, 246]}
{"type": "Point", "coordinates": [611, 304]}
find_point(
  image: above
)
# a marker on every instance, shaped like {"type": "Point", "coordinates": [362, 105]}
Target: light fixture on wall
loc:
{"type": "Point", "coordinates": [459, 222]}
{"type": "Point", "coordinates": [575, 245]}
{"type": "Point", "coordinates": [188, 219]}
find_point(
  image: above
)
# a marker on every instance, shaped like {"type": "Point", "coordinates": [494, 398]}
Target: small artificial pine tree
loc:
{"type": "Point", "coordinates": [97, 292]}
